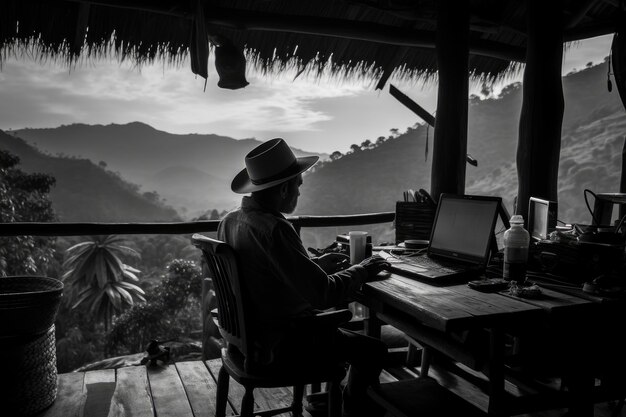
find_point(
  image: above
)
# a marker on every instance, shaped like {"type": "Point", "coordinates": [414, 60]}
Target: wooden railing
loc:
{"type": "Point", "coordinates": [86, 229]}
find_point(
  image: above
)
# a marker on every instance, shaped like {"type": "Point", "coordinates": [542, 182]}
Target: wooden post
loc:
{"type": "Point", "coordinates": [450, 142]}
{"type": "Point", "coordinates": [622, 183]}
{"type": "Point", "coordinates": [539, 142]}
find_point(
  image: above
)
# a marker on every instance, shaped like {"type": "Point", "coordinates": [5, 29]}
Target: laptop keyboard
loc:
{"type": "Point", "coordinates": [419, 265]}
{"type": "Point", "coordinates": [424, 262]}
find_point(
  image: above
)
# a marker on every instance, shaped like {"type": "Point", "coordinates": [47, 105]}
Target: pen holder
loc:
{"type": "Point", "coordinates": [414, 220]}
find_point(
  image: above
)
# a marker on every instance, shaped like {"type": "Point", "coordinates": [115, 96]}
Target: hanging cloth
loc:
{"type": "Point", "coordinates": [199, 44]}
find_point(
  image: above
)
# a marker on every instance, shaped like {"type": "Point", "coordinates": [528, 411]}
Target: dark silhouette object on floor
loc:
{"type": "Point", "coordinates": [156, 352]}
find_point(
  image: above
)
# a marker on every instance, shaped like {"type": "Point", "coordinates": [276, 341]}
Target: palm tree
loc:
{"type": "Point", "coordinates": [99, 278]}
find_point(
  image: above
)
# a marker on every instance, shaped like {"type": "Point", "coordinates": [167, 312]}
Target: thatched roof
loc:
{"type": "Point", "coordinates": [368, 38]}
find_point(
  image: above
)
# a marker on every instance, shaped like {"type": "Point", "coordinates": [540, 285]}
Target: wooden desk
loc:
{"type": "Point", "coordinates": [440, 318]}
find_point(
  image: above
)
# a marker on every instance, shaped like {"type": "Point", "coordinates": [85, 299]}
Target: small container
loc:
{"type": "Point", "coordinates": [344, 244]}
{"type": "Point", "coordinates": [516, 242]}
{"type": "Point", "coordinates": [358, 244]}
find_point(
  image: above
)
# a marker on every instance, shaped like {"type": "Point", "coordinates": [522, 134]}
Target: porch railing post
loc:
{"type": "Point", "coordinates": [450, 141]}
{"type": "Point", "coordinates": [539, 142]}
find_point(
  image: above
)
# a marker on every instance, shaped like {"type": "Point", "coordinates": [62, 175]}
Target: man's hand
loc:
{"type": "Point", "coordinates": [332, 262]}
{"type": "Point", "coordinates": [373, 265]}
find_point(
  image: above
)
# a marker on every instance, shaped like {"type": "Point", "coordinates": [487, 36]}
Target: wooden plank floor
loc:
{"type": "Point", "coordinates": [183, 389]}
{"type": "Point", "coordinates": [187, 389]}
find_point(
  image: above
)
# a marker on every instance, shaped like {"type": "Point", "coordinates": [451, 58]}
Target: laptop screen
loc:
{"type": "Point", "coordinates": [463, 227]}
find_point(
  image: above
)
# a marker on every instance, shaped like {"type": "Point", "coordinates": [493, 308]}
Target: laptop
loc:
{"type": "Point", "coordinates": [460, 241]}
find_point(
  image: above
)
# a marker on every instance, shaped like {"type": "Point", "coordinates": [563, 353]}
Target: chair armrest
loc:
{"type": "Point", "coordinates": [327, 319]}
{"type": "Point", "coordinates": [333, 318]}
{"type": "Point", "coordinates": [215, 317]}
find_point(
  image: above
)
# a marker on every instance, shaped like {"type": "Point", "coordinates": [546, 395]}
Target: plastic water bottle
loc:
{"type": "Point", "coordinates": [516, 241]}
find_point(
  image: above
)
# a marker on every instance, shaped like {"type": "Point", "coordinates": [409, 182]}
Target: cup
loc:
{"type": "Point", "coordinates": [358, 241]}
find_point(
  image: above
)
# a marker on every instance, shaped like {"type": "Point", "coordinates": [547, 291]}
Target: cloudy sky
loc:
{"type": "Point", "coordinates": [320, 116]}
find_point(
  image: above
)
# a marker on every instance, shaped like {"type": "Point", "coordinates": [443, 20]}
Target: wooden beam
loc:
{"type": "Point", "coordinates": [313, 25]}
{"type": "Point", "coordinates": [85, 229]}
{"type": "Point", "coordinates": [412, 105]}
{"type": "Point", "coordinates": [175, 228]}
{"type": "Point", "coordinates": [450, 138]}
{"type": "Point", "coordinates": [579, 14]}
{"type": "Point", "coordinates": [479, 22]}
{"type": "Point", "coordinates": [428, 15]}
{"type": "Point", "coordinates": [342, 220]}
{"type": "Point", "coordinates": [622, 183]}
{"type": "Point", "coordinates": [541, 118]}
{"type": "Point", "coordinates": [347, 29]}
{"type": "Point", "coordinates": [590, 30]}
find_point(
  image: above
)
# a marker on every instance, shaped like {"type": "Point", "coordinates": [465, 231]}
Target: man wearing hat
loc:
{"type": "Point", "coordinates": [285, 283]}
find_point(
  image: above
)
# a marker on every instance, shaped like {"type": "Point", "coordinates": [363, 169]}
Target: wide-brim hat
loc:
{"type": "Point", "coordinates": [270, 164]}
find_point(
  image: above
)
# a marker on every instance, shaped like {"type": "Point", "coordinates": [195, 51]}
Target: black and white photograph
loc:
{"type": "Point", "coordinates": [324, 208]}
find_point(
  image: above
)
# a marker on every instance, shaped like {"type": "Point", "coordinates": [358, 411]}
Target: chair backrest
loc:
{"type": "Point", "coordinates": [222, 263]}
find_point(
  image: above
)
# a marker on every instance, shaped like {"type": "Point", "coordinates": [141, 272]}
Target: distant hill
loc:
{"type": "Point", "coordinates": [594, 126]}
{"type": "Point", "coordinates": [191, 188]}
{"type": "Point", "coordinates": [85, 192]}
{"type": "Point", "coordinates": [141, 153]}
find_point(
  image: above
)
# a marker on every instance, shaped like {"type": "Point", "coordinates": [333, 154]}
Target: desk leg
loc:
{"type": "Point", "coordinates": [581, 389]}
{"type": "Point", "coordinates": [372, 325]}
{"type": "Point", "coordinates": [496, 373]}
{"type": "Point", "coordinates": [427, 354]}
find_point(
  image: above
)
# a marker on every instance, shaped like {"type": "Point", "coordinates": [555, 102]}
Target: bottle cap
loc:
{"type": "Point", "coordinates": [517, 219]}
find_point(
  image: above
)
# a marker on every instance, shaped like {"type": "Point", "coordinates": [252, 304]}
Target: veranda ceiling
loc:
{"type": "Point", "coordinates": [351, 38]}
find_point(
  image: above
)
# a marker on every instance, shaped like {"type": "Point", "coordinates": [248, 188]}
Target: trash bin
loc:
{"type": "Point", "coordinates": [28, 308]}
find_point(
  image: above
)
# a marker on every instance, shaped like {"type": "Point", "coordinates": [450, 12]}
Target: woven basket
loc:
{"type": "Point", "coordinates": [414, 220]}
{"type": "Point", "coordinates": [28, 308]}
{"type": "Point", "coordinates": [28, 304]}
{"type": "Point", "coordinates": [29, 373]}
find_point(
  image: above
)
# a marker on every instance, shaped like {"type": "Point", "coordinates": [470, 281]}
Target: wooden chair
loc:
{"type": "Point", "coordinates": [233, 322]}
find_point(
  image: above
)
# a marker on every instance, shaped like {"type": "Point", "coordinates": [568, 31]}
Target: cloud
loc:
{"type": "Point", "coordinates": [168, 98]}
{"type": "Point", "coordinates": [321, 115]}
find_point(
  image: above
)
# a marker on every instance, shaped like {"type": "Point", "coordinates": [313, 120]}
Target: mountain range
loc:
{"type": "Point", "coordinates": [194, 171]}
{"type": "Point", "coordinates": [190, 172]}
{"type": "Point", "coordinates": [86, 192]}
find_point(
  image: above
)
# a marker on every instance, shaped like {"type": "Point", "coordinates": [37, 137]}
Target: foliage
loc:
{"type": "Point", "coordinates": [80, 339]}
{"type": "Point", "coordinates": [24, 198]}
{"type": "Point", "coordinates": [211, 214]}
{"type": "Point", "coordinates": [159, 250]}
{"type": "Point", "coordinates": [171, 312]}
{"type": "Point", "coordinates": [98, 277]}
